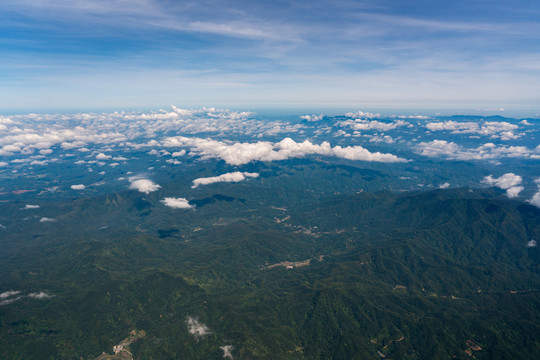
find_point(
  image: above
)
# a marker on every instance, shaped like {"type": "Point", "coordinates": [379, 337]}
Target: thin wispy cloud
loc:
{"type": "Point", "coordinates": [11, 296]}
{"type": "Point", "coordinates": [265, 53]}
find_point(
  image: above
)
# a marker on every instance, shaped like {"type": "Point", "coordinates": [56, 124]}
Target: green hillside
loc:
{"type": "Point", "coordinates": [428, 275]}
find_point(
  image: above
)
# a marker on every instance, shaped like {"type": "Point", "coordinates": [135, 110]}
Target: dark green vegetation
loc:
{"type": "Point", "coordinates": [411, 275]}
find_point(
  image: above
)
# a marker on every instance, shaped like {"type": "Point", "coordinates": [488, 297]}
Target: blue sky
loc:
{"type": "Point", "coordinates": [107, 54]}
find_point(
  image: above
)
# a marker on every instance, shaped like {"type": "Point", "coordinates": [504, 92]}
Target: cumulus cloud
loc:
{"type": "Point", "coordinates": [312, 117]}
{"type": "Point", "coordinates": [3, 163]}
{"type": "Point", "coordinates": [362, 115]}
{"type": "Point", "coordinates": [41, 136]}
{"type": "Point", "coordinates": [535, 200]}
{"type": "Point", "coordinates": [46, 219]}
{"type": "Point", "coordinates": [444, 186]}
{"type": "Point", "coordinates": [27, 207]}
{"type": "Point", "coordinates": [177, 203]}
{"type": "Point", "coordinates": [78, 187]}
{"type": "Point", "coordinates": [197, 328]}
{"type": "Point", "coordinates": [102, 156]}
{"type": "Point", "coordinates": [40, 132]}
{"type": "Point", "coordinates": [243, 153]}
{"type": "Point", "coordinates": [514, 191]}
{"type": "Point", "coordinates": [381, 139]}
{"type": "Point", "coordinates": [236, 176]}
{"type": "Point", "coordinates": [531, 243]}
{"type": "Point", "coordinates": [372, 125]}
{"type": "Point", "coordinates": [72, 145]}
{"type": "Point", "coordinates": [143, 185]}
{"type": "Point", "coordinates": [503, 130]}
{"type": "Point", "coordinates": [508, 182]}
{"type": "Point", "coordinates": [178, 153]}
{"type": "Point", "coordinates": [488, 151]}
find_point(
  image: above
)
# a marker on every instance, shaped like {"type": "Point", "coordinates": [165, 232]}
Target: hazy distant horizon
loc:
{"type": "Point", "coordinates": [297, 110]}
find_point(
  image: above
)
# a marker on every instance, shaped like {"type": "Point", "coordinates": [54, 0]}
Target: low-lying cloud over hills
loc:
{"type": "Point", "coordinates": [109, 146]}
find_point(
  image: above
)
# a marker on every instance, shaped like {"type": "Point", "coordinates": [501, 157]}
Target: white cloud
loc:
{"type": "Point", "coordinates": [3, 163]}
{"type": "Point", "coordinates": [7, 294]}
{"type": "Point", "coordinates": [508, 182]}
{"type": "Point", "coordinates": [40, 162]}
{"type": "Point", "coordinates": [78, 187]}
{"type": "Point", "coordinates": [178, 153]}
{"type": "Point", "coordinates": [453, 126]}
{"type": "Point", "coordinates": [143, 185]}
{"type": "Point", "coordinates": [46, 219]}
{"type": "Point", "coordinates": [177, 203]}
{"type": "Point", "coordinates": [243, 153]}
{"type": "Point", "coordinates": [419, 117]}
{"type": "Point", "coordinates": [381, 139]}
{"type": "Point", "coordinates": [362, 115]}
{"type": "Point", "coordinates": [38, 135]}
{"type": "Point", "coordinates": [40, 295]}
{"type": "Point", "coordinates": [531, 243]}
{"type": "Point", "coordinates": [504, 182]}
{"type": "Point", "coordinates": [372, 125]}
{"type": "Point", "coordinates": [10, 300]}
{"type": "Point", "coordinates": [312, 117]}
{"type": "Point", "coordinates": [197, 328]}
{"type": "Point", "coordinates": [503, 130]}
{"type": "Point", "coordinates": [444, 186]}
{"type": "Point", "coordinates": [72, 145]}
{"type": "Point", "coordinates": [236, 176]}
{"type": "Point", "coordinates": [26, 207]}
{"type": "Point", "coordinates": [535, 200]}
{"type": "Point", "coordinates": [488, 151]}
{"type": "Point", "coordinates": [227, 351]}
{"type": "Point", "coordinates": [102, 156]}
{"type": "Point", "coordinates": [514, 191]}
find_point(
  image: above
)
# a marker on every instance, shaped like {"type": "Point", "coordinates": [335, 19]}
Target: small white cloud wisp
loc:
{"type": "Point", "coordinates": [236, 176]}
